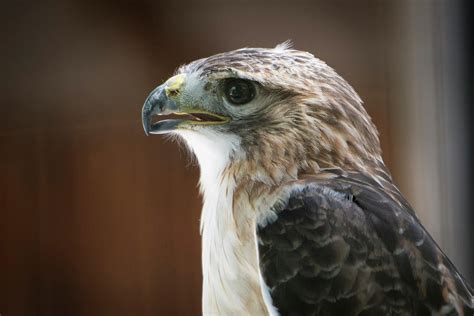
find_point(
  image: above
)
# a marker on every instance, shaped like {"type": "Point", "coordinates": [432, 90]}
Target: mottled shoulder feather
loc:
{"type": "Point", "coordinates": [347, 246]}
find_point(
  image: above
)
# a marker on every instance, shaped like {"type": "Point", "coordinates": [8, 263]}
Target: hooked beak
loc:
{"type": "Point", "coordinates": [164, 100]}
{"type": "Point", "coordinates": [158, 103]}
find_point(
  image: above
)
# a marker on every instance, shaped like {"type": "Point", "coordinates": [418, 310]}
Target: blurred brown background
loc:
{"type": "Point", "coordinates": [98, 219]}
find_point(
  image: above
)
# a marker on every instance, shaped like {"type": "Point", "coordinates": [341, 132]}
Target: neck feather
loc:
{"type": "Point", "coordinates": [229, 254]}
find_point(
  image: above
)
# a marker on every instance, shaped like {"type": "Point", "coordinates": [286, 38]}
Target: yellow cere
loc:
{"type": "Point", "coordinates": [174, 84]}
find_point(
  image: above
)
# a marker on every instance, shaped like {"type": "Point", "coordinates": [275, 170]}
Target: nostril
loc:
{"type": "Point", "coordinates": [171, 92]}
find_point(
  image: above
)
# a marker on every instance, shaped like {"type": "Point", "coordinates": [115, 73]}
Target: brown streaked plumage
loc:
{"type": "Point", "coordinates": [300, 214]}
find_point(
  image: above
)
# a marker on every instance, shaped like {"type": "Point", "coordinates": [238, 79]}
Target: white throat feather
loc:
{"type": "Point", "coordinates": [229, 256]}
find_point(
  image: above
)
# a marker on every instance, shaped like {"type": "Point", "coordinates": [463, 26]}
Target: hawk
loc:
{"type": "Point", "coordinates": [300, 215]}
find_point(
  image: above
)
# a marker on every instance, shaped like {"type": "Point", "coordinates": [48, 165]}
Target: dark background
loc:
{"type": "Point", "coordinates": [98, 219]}
{"type": "Point", "coordinates": [469, 23]}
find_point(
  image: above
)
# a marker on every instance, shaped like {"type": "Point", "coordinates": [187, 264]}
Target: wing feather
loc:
{"type": "Point", "coordinates": [347, 246]}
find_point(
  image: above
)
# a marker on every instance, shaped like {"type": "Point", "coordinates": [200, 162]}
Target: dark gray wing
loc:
{"type": "Point", "coordinates": [345, 246]}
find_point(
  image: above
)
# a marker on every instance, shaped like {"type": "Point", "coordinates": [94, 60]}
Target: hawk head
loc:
{"type": "Point", "coordinates": [274, 112]}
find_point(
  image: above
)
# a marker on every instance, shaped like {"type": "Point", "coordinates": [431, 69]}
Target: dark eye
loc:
{"type": "Point", "coordinates": [239, 91]}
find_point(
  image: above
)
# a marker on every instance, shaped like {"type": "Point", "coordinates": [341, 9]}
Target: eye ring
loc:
{"type": "Point", "coordinates": [239, 91]}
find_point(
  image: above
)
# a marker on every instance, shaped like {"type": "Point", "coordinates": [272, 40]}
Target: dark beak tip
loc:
{"type": "Point", "coordinates": [145, 122]}
{"type": "Point", "coordinates": [146, 127]}
{"type": "Point", "coordinates": [156, 103]}
{"type": "Point", "coordinates": [146, 115]}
